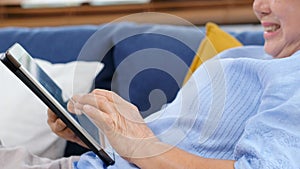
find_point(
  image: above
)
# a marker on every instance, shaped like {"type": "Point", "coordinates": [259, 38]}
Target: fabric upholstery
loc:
{"type": "Point", "coordinates": [116, 44]}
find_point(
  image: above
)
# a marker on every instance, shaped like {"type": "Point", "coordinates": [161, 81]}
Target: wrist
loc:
{"type": "Point", "coordinates": [151, 150]}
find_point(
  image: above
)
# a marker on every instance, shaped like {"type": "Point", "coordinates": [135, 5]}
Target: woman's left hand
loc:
{"type": "Point", "coordinates": [118, 119]}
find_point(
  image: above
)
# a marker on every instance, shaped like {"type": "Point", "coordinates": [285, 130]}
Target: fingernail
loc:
{"type": "Point", "coordinates": [78, 112]}
{"type": "Point", "coordinates": [87, 107]}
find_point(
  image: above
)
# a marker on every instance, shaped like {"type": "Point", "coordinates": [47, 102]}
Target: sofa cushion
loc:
{"type": "Point", "coordinates": [216, 41]}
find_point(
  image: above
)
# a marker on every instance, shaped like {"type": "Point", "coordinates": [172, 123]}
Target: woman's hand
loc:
{"type": "Point", "coordinates": [61, 129]}
{"type": "Point", "coordinates": [118, 119]}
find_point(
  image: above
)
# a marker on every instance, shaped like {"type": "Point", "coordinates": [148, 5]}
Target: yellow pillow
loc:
{"type": "Point", "coordinates": [216, 41]}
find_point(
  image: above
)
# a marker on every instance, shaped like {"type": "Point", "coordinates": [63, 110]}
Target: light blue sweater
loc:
{"type": "Point", "coordinates": [242, 105]}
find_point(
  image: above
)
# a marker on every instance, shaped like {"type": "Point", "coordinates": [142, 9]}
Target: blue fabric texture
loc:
{"type": "Point", "coordinates": [249, 38]}
{"type": "Point", "coordinates": [55, 44]}
{"type": "Point", "coordinates": [111, 44]}
{"type": "Point", "coordinates": [90, 160]}
{"type": "Point", "coordinates": [255, 122]}
{"type": "Point", "coordinates": [146, 55]}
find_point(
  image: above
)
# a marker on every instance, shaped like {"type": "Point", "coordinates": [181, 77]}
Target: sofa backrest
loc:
{"type": "Point", "coordinates": [145, 64]}
{"type": "Point", "coordinates": [55, 44]}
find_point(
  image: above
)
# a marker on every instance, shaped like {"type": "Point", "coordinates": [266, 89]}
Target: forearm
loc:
{"type": "Point", "coordinates": [173, 158]}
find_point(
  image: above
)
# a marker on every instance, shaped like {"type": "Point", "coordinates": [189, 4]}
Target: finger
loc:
{"type": "Point", "coordinates": [73, 105]}
{"type": "Point", "coordinates": [70, 105]}
{"type": "Point", "coordinates": [114, 98]}
{"type": "Point", "coordinates": [119, 106]}
{"type": "Point", "coordinates": [60, 128]}
{"type": "Point", "coordinates": [58, 125]}
{"type": "Point", "coordinates": [90, 99]}
{"type": "Point", "coordinates": [55, 123]}
{"type": "Point", "coordinates": [101, 119]}
{"type": "Point", "coordinates": [109, 95]}
{"type": "Point", "coordinates": [67, 134]}
{"type": "Point", "coordinates": [78, 108]}
{"type": "Point", "coordinates": [98, 102]}
{"type": "Point", "coordinates": [75, 98]}
{"type": "Point", "coordinates": [51, 116]}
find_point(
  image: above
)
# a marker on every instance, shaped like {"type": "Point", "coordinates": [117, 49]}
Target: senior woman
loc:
{"type": "Point", "coordinates": [239, 110]}
{"type": "Point", "coordinates": [258, 122]}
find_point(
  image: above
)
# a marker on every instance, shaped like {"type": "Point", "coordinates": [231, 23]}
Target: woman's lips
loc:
{"type": "Point", "coordinates": [270, 29]}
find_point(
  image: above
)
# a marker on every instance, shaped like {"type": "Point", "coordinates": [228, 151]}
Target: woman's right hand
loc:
{"type": "Point", "coordinates": [119, 120]}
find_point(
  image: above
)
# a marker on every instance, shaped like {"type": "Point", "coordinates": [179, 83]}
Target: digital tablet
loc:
{"type": "Point", "coordinates": [34, 77]}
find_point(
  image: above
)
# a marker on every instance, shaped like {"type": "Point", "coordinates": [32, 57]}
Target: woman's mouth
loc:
{"type": "Point", "coordinates": [271, 28]}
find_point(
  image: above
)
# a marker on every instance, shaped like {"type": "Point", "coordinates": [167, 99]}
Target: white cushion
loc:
{"type": "Point", "coordinates": [23, 117]}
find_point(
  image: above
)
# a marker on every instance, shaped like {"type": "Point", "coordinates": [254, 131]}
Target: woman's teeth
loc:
{"type": "Point", "coordinates": [271, 28]}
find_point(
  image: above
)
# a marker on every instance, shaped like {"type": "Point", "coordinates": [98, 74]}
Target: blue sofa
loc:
{"type": "Point", "coordinates": [144, 63]}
